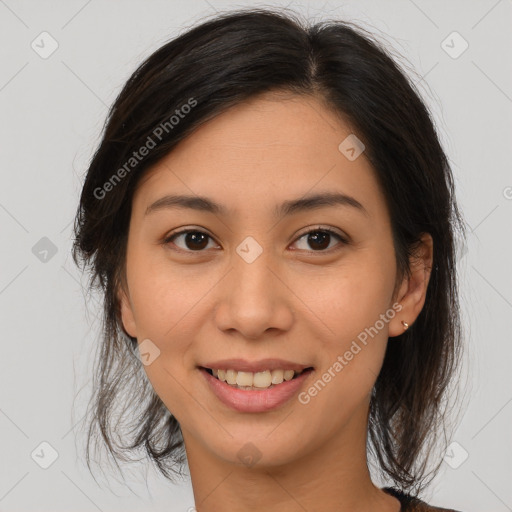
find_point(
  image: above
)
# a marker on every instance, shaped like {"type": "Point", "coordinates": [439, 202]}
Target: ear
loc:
{"type": "Point", "coordinates": [413, 290]}
{"type": "Point", "coordinates": [126, 309]}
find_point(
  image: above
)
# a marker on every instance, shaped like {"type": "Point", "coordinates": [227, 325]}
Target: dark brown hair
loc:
{"type": "Point", "coordinates": [211, 67]}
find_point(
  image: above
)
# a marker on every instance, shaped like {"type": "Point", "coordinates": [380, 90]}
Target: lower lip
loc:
{"type": "Point", "coordinates": [255, 400]}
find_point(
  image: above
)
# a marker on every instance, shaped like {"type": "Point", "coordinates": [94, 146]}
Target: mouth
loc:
{"type": "Point", "coordinates": [257, 392]}
{"type": "Point", "coordinates": [266, 379]}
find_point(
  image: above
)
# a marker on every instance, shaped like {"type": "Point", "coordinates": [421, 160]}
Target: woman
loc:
{"type": "Point", "coordinates": [271, 219]}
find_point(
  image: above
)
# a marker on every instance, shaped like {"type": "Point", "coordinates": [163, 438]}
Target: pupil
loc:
{"type": "Point", "coordinates": [194, 237]}
{"type": "Point", "coordinates": [322, 237]}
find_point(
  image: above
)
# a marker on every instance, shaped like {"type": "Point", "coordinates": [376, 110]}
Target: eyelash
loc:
{"type": "Point", "coordinates": [168, 239]}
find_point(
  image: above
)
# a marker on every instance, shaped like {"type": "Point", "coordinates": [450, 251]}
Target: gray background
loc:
{"type": "Point", "coordinates": [52, 112]}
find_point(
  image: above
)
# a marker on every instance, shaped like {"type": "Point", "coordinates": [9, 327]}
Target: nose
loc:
{"type": "Point", "coordinates": [254, 299]}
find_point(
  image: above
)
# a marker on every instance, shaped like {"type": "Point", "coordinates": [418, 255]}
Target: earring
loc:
{"type": "Point", "coordinates": [406, 325]}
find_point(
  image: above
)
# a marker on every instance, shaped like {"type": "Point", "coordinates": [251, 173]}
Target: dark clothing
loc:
{"type": "Point", "coordinates": [411, 504]}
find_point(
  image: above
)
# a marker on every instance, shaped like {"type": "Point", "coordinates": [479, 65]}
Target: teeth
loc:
{"type": "Point", "coordinates": [249, 380]}
{"type": "Point", "coordinates": [277, 376]}
{"type": "Point", "coordinates": [288, 374]}
{"type": "Point", "coordinates": [231, 377]}
{"type": "Point", "coordinates": [262, 379]}
{"type": "Point", "coordinates": [245, 378]}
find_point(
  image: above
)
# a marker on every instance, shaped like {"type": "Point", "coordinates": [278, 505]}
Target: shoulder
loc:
{"type": "Point", "coordinates": [413, 504]}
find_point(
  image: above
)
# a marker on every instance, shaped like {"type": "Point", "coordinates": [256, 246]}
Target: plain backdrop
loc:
{"type": "Point", "coordinates": [55, 89]}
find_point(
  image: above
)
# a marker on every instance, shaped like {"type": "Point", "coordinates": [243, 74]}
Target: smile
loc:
{"type": "Point", "coordinates": [254, 380]}
{"type": "Point", "coordinates": [257, 392]}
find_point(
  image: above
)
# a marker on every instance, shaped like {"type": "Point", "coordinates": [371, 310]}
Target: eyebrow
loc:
{"type": "Point", "coordinates": [290, 207]}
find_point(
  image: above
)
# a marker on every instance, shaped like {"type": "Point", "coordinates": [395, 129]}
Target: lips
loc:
{"type": "Point", "coordinates": [256, 400]}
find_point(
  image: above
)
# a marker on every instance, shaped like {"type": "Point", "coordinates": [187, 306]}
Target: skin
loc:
{"type": "Point", "coordinates": [207, 303]}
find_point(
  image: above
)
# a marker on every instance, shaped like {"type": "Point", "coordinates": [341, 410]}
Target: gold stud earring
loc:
{"type": "Point", "coordinates": [406, 325]}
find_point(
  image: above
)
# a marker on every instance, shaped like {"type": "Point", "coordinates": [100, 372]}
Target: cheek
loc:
{"type": "Point", "coordinates": [352, 307]}
{"type": "Point", "coordinates": [349, 298]}
{"type": "Point", "coordinates": [163, 307]}
{"type": "Point", "coordinates": [163, 295]}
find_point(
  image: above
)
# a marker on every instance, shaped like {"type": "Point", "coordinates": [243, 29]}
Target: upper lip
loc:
{"type": "Point", "coordinates": [261, 365]}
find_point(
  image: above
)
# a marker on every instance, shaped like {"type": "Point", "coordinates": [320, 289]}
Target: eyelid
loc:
{"type": "Point", "coordinates": [344, 239]}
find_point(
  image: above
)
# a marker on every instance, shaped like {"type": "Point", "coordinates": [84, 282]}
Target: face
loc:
{"type": "Point", "coordinates": [311, 285]}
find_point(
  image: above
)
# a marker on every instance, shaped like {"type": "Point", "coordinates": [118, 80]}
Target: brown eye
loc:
{"type": "Point", "coordinates": [194, 240]}
{"type": "Point", "coordinates": [318, 240]}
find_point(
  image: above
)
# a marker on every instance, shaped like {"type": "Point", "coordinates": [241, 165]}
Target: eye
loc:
{"type": "Point", "coordinates": [319, 239]}
{"type": "Point", "coordinates": [195, 240]}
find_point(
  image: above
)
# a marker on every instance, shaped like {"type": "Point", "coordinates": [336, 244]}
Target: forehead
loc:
{"type": "Point", "coordinates": [261, 151]}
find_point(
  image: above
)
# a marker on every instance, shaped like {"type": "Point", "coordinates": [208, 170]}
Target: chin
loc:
{"type": "Point", "coordinates": [256, 451]}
